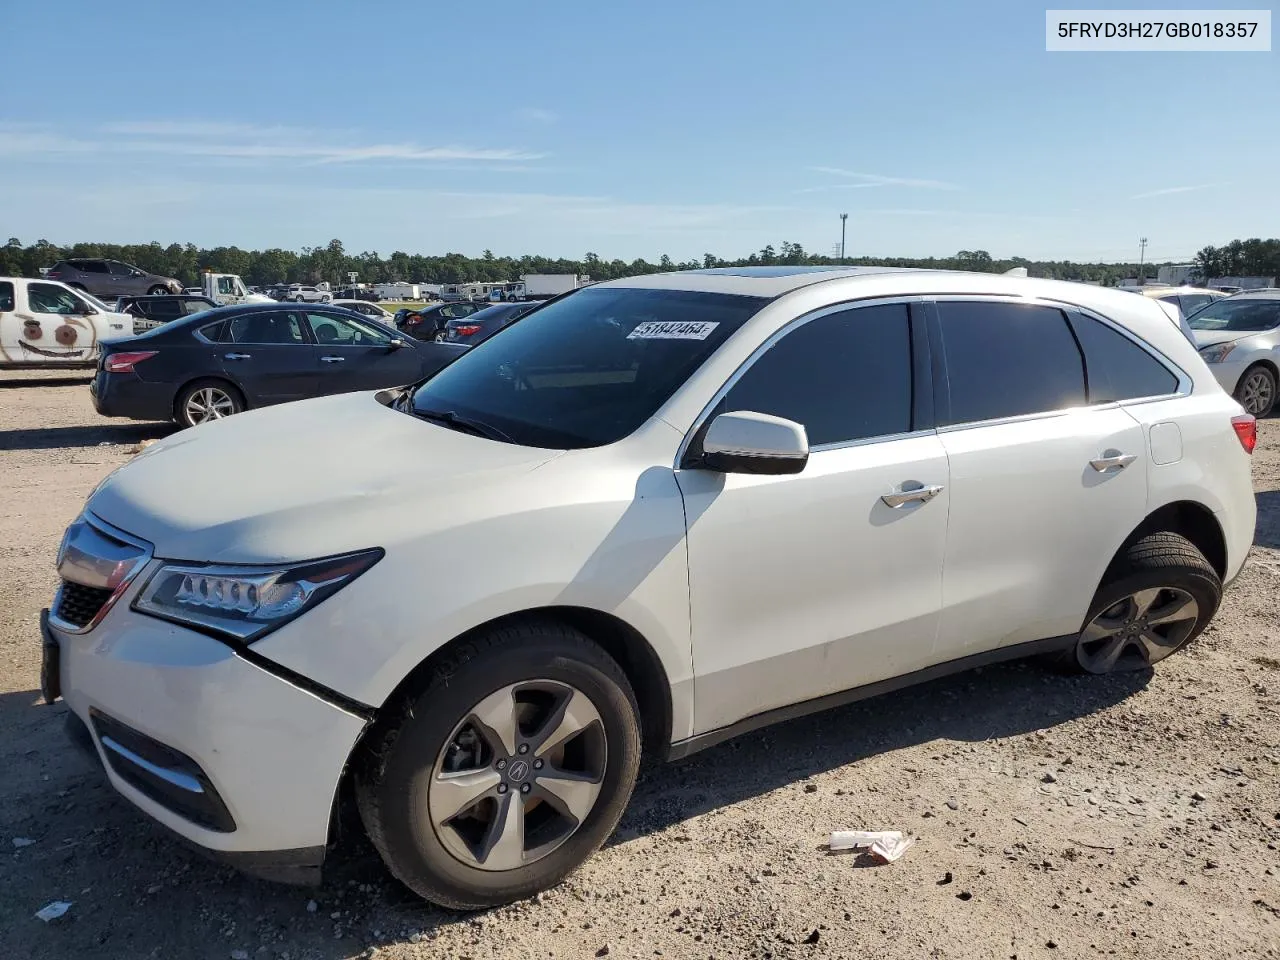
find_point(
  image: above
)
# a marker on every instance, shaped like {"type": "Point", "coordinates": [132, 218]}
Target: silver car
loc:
{"type": "Point", "coordinates": [1239, 337]}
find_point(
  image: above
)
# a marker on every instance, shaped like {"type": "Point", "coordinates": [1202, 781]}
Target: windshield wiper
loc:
{"type": "Point", "coordinates": [451, 420]}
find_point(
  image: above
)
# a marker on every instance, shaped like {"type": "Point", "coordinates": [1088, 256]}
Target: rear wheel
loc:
{"type": "Point", "coordinates": [1157, 597]}
{"type": "Point", "coordinates": [506, 770]}
{"type": "Point", "coordinates": [1256, 391]}
{"type": "Point", "coordinates": [207, 400]}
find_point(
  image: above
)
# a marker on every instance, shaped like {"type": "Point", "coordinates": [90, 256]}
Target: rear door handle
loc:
{"type": "Point", "coordinates": [332, 359]}
{"type": "Point", "coordinates": [1113, 461]}
{"type": "Point", "coordinates": [911, 493]}
{"type": "Point", "coordinates": [237, 356]}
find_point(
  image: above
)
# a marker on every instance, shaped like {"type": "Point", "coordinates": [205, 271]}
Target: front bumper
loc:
{"type": "Point", "coordinates": [237, 761]}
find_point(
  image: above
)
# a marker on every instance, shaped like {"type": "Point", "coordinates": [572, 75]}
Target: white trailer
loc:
{"type": "Point", "coordinates": [544, 286]}
{"type": "Point", "coordinates": [397, 290]}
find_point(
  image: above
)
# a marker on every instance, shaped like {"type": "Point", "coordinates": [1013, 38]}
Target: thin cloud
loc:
{"type": "Point", "coordinates": [220, 141]}
{"type": "Point", "coordinates": [537, 115]}
{"type": "Point", "coordinates": [878, 180]}
{"type": "Point", "coordinates": [1166, 191]}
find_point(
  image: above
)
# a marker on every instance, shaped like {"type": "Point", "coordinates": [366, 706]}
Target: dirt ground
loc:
{"type": "Point", "coordinates": [1057, 817]}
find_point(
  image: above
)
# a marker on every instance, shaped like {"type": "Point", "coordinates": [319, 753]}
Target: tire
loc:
{"type": "Point", "coordinates": [1256, 391]}
{"type": "Point", "coordinates": [298, 299]}
{"type": "Point", "coordinates": [224, 398]}
{"type": "Point", "coordinates": [452, 857]}
{"type": "Point", "coordinates": [158, 291]}
{"type": "Point", "coordinates": [1155, 599]}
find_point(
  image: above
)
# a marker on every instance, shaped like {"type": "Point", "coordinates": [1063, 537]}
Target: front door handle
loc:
{"type": "Point", "coordinates": [236, 356]}
{"type": "Point", "coordinates": [1113, 461]}
{"type": "Point", "coordinates": [332, 359]}
{"type": "Point", "coordinates": [911, 493]}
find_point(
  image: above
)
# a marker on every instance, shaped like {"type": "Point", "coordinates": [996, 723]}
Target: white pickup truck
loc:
{"type": "Point", "coordinates": [225, 289]}
{"type": "Point", "coordinates": [46, 322]}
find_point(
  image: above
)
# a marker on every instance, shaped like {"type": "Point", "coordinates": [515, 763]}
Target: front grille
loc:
{"type": "Point", "coordinates": [78, 604]}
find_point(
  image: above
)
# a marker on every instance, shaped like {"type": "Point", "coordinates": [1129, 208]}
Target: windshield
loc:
{"type": "Point", "coordinates": [586, 370]}
{"type": "Point", "coordinates": [1243, 315]}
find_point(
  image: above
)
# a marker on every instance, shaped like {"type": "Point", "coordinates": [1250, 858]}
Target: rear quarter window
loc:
{"type": "Point", "coordinates": [6, 296]}
{"type": "Point", "coordinates": [1119, 368]}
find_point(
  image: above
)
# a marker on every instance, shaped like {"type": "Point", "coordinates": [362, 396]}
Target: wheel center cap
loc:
{"type": "Point", "coordinates": [517, 771]}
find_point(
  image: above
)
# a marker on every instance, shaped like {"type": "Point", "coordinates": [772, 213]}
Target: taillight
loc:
{"type": "Point", "coordinates": [124, 362]}
{"type": "Point", "coordinates": [1246, 428]}
{"type": "Point", "coordinates": [467, 330]}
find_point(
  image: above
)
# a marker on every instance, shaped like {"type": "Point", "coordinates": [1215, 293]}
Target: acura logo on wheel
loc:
{"type": "Point", "coordinates": [517, 771]}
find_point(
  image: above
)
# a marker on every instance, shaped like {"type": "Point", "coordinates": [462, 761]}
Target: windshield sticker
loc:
{"type": "Point", "coordinates": [673, 330]}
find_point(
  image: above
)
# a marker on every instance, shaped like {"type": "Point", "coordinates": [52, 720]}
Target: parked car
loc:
{"type": "Point", "coordinates": [427, 323]}
{"type": "Point", "coordinates": [149, 312]}
{"type": "Point", "coordinates": [1186, 299]}
{"type": "Point", "coordinates": [483, 323]}
{"type": "Point", "coordinates": [220, 362]}
{"type": "Point", "coordinates": [673, 509]}
{"type": "Point", "coordinates": [45, 322]}
{"type": "Point", "coordinates": [1239, 338]}
{"type": "Point", "coordinates": [302, 293]}
{"type": "Point", "coordinates": [364, 307]}
{"type": "Point", "coordinates": [110, 278]}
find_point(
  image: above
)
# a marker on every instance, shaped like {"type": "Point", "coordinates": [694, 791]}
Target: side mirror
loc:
{"type": "Point", "coordinates": [748, 442]}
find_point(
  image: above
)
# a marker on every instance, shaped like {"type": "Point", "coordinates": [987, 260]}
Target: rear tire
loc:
{"type": "Point", "coordinates": [515, 831]}
{"type": "Point", "coordinates": [206, 400]}
{"type": "Point", "coordinates": [1156, 598]}
{"type": "Point", "coordinates": [1256, 391]}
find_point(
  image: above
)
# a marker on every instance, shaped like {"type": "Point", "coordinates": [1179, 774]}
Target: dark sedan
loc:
{"type": "Point", "coordinates": [217, 363]}
{"type": "Point", "coordinates": [428, 323]}
{"type": "Point", "coordinates": [485, 323]}
{"type": "Point", "coordinates": [149, 312]}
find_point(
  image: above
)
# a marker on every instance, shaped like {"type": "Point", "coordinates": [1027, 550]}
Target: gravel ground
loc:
{"type": "Point", "coordinates": [1056, 817]}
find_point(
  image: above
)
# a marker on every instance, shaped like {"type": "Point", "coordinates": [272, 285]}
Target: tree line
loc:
{"type": "Point", "coordinates": [333, 263]}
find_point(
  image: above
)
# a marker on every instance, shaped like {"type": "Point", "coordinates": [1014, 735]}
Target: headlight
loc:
{"type": "Point", "coordinates": [1217, 353]}
{"type": "Point", "coordinates": [246, 603]}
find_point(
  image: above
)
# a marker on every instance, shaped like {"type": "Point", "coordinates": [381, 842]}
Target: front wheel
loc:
{"type": "Point", "coordinates": [507, 769]}
{"type": "Point", "coordinates": [1256, 391]}
{"type": "Point", "coordinates": [157, 291]}
{"type": "Point", "coordinates": [1157, 597]}
{"type": "Point", "coordinates": [207, 400]}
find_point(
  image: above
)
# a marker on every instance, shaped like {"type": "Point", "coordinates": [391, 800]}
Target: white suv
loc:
{"type": "Point", "coordinates": [672, 509]}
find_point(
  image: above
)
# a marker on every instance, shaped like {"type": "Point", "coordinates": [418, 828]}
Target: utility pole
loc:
{"type": "Point", "coordinates": [1142, 251]}
{"type": "Point", "coordinates": [843, 218]}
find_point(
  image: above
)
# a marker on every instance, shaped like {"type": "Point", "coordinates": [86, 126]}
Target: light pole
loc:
{"type": "Point", "coordinates": [843, 218]}
{"type": "Point", "coordinates": [1142, 250]}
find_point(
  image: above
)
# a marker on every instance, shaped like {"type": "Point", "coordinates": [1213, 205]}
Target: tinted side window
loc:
{"type": "Point", "coordinates": [845, 376]}
{"type": "Point", "coordinates": [266, 328]}
{"type": "Point", "coordinates": [1119, 369]}
{"type": "Point", "coordinates": [1008, 359]}
{"type": "Point", "coordinates": [91, 266]}
{"type": "Point", "coordinates": [120, 269]}
{"type": "Point", "coordinates": [6, 296]}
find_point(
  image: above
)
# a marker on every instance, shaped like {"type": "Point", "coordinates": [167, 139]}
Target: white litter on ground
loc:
{"type": "Point", "coordinates": [52, 911]}
{"type": "Point", "coordinates": [886, 845]}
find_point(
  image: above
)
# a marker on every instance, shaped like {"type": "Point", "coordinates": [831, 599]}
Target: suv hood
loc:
{"type": "Point", "coordinates": [306, 480]}
{"type": "Point", "coordinates": [1207, 338]}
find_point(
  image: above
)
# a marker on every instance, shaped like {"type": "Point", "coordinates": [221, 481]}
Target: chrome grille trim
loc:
{"type": "Point", "coordinates": [96, 555]}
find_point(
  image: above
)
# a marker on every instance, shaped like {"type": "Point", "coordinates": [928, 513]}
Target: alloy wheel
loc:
{"type": "Point", "coordinates": [1257, 392]}
{"type": "Point", "coordinates": [208, 403]}
{"type": "Point", "coordinates": [518, 776]}
{"type": "Point", "coordinates": [1138, 631]}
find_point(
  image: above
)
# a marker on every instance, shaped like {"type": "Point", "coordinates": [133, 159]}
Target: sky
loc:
{"type": "Point", "coordinates": [625, 129]}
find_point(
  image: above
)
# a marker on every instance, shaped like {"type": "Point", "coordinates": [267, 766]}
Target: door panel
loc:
{"type": "Point", "coordinates": [354, 354]}
{"type": "Point", "coordinates": [269, 357]}
{"type": "Point", "coordinates": [1034, 524]}
{"type": "Point", "coordinates": [809, 584]}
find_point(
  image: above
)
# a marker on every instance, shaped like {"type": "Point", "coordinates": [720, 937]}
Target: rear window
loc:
{"type": "Point", "coordinates": [1245, 316]}
{"type": "Point", "coordinates": [586, 370]}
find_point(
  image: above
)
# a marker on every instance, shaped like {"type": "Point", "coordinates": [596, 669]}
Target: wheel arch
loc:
{"type": "Point", "coordinates": [1190, 519]}
{"type": "Point", "coordinates": [210, 378]}
{"type": "Point", "coordinates": [622, 641]}
{"type": "Point", "coordinates": [1263, 361]}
